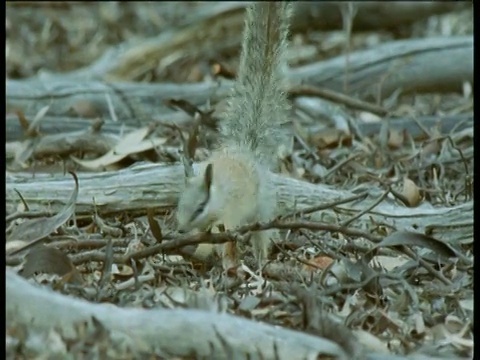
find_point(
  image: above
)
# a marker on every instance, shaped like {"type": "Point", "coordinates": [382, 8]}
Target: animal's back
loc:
{"type": "Point", "coordinates": [232, 187]}
{"type": "Point", "coordinates": [238, 178]}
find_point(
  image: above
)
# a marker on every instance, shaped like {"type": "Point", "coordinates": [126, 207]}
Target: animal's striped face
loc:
{"type": "Point", "coordinates": [194, 209]}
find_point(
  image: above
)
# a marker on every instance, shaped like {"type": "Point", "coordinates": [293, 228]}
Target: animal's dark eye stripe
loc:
{"type": "Point", "coordinates": [199, 210]}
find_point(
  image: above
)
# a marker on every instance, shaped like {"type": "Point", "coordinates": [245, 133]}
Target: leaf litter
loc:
{"type": "Point", "coordinates": [391, 302]}
{"type": "Point", "coordinates": [32, 230]}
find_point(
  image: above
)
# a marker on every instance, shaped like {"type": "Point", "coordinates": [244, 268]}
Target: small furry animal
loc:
{"type": "Point", "coordinates": [231, 188]}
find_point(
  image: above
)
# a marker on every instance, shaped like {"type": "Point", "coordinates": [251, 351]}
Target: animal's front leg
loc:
{"type": "Point", "coordinates": [227, 251]}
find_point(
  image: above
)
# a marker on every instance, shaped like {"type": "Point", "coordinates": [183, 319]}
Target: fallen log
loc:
{"type": "Point", "coordinates": [152, 186]}
{"type": "Point", "coordinates": [422, 65]}
{"type": "Point", "coordinates": [173, 332]}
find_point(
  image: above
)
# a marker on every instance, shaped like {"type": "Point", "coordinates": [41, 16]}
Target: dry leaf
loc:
{"type": "Point", "coordinates": [154, 227]}
{"type": "Point", "coordinates": [22, 120]}
{"type": "Point", "coordinates": [415, 239]}
{"type": "Point", "coordinates": [419, 323]}
{"type": "Point", "coordinates": [32, 230]}
{"type": "Point", "coordinates": [249, 303]}
{"type": "Point", "coordinates": [371, 342]}
{"type": "Point", "coordinates": [122, 270]}
{"type": "Point", "coordinates": [25, 151]}
{"type": "Point", "coordinates": [14, 245]}
{"type": "Point", "coordinates": [467, 89]}
{"type": "Point", "coordinates": [319, 262]}
{"type": "Point", "coordinates": [395, 139]}
{"type": "Point", "coordinates": [368, 117]}
{"type": "Point", "coordinates": [430, 149]}
{"type": "Point", "coordinates": [132, 143]}
{"type": "Point", "coordinates": [466, 304]}
{"type": "Point", "coordinates": [145, 145]}
{"type": "Point", "coordinates": [411, 193]}
{"type": "Point", "coordinates": [47, 260]}
{"type": "Point", "coordinates": [330, 138]}
{"type": "Point", "coordinates": [383, 134]}
{"type": "Point", "coordinates": [39, 116]}
{"type": "Point", "coordinates": [378, 162]}
{"type": "Point", "coordinates": [86, 108]}
{"type": "Point", "coordinates": [134, 246]}
{"type": "Point", "coordinates": [389, 263]}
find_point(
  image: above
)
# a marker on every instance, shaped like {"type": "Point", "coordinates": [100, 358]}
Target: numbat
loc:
{"type": "Point", "coordinates": [231, 188]}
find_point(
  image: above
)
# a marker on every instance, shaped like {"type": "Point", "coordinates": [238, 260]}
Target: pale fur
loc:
{"type": "Point", "coordinates": [235, 190]}
{"type": "Point", "coordinates": [258, 107]}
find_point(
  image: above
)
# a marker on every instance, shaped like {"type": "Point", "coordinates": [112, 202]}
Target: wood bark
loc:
{"type": "Point", "coordinates": [218, 27]}
{"type": "Point", "coordinates": [71, 128]}
{"type": "Point", "coordinates": [173, 332]}
{"type": "Point", "coordinates": [440, 64]}
{"type": "Point", "coordinates": [62, 96]}
{"type": "Point", "coordinates": [324, 15]}
{"type": "Point", "coordinates": [424, 65]}
{"type": "Point", "coordinates": [145, 186]}
{"type": "Point", "coordinates": [170, 332]}
{"type": "Point", "coordinates": [371, 15]}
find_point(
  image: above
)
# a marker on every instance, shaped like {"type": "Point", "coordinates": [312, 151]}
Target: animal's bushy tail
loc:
{"type": "Point", "coordinates": [258, 106]}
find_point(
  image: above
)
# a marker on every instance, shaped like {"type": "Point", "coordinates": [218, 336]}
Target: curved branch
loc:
{"type": "Point", "coordinates": [146, 186]}
{"type": "Point", "coordinates": [178, 332]}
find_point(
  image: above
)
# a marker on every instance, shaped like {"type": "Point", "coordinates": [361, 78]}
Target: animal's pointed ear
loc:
{"type": "Point", "coordinates": [208, 176]}
{"type": "Point", "coordinates": [188, 169]}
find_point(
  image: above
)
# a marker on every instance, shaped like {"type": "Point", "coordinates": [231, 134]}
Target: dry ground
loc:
{"type": "Point", "coordinates": [377, 190]}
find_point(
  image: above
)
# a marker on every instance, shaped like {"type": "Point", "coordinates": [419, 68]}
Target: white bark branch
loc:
{"type": "Point", "coordinates": [156, 186]}
{"type": "Point", "coordinates": [177, 332]}
{"type": "Point", "coordinates": [422, 65]}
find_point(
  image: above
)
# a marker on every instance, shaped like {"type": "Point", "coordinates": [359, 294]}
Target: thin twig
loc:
{"type": "Point", "coordinates": [330, 205]}
{"type": "Point", "coordinates": [366, 210]}
{"type": "Point", "coordinates": [310, 90]}
{"type": "Point", "coordinates": [27, 215]}
{"type": "Point", "coordinates": [340, 164]}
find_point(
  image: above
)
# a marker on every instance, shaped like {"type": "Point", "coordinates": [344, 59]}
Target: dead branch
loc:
{"type": "Point", "coordinates": [337, 97]}
{"type": "Point", "coordinates": [422, 65]}
{"type": "Point", "coordinates": [69, 143]}
{"type": "Point", "coordinates": [65, 144]}
{"type": "Point", "coordinates": [366, 214]}
{"type": "Point", "coordinates": [183, 332]}
{"type": "Point", "coordinates": [371, 15]}
{"type": "Point", "coordinates": [75, 126]}
{"type": "Point", "coordinates": [146, 186]}
{"type": "Point", "coordinates": [325, 15]}
{"type": "Point", "coordinates": [62, 96]}
{"type": "Point", "coordinates": [217, 28]}
{"type": "Point", "coordinates": [61, 125]}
